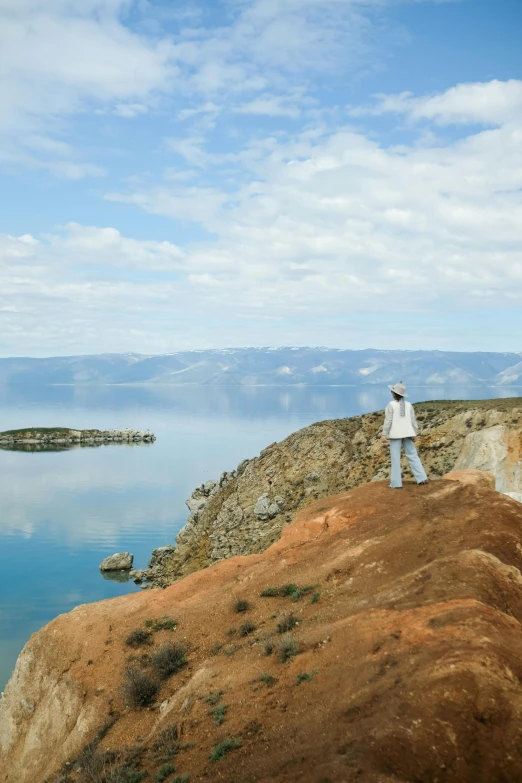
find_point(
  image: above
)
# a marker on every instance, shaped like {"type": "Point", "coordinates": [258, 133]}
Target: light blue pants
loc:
{"type": "Point", "coordinates": [412, 457]}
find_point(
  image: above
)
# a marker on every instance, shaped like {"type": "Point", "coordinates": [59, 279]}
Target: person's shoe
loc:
{"type": "Point", "coordinates": [395, 487]}
{"type": "Point", "coordinates": [424, 482]}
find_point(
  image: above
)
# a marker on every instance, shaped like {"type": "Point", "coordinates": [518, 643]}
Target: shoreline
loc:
{"type": "Point", "coordinates": [61, 436]}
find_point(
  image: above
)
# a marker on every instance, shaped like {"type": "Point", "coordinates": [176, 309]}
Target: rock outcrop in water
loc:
{"type": "Point", "coordinates": [402, 661]}
{"type": "Point", "coordinates": [42, 437]}
{"type": "Point", "coordinates": [246, 510]}
{"type": "Point", "coordinates": [120, 561]}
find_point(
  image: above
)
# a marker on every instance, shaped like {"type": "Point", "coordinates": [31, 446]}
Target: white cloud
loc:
{"type": "Point", "coordinates": [40, 153]}
{"type": "Point", "coordinates": [60, 58]}
{"type": "Point", "coordinates": [324, 224]}
{"type": "Point", "coordinates": [323, 220]}
{"type": "Point", "coordinates": [282, 34]}
{"type": "Point", "coordinates": [272, 106]}
{"type": "Point", "coordinates": [335, 220]}
{"type": "Point", "coordinates": [55, 59]}
{"type": "Point", "coordinates": [490, 103]}
{"type": "Point", "coordinates": [207, 108]}
{"type": "Point", "coordinates": [130, 110]}
{"type": "Point", "coordinates": [107, 247]}
{"type": "Point", "coordinates": [64, 261]}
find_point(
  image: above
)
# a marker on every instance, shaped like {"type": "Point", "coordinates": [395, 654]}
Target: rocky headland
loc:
{"type": "Point", "coordinates": [61, 437]}
{"type": "Point", "coordinates": [246, 509]}
{"type": "Point", "coordinates": [378, 640]}
{"type": "Point", "coordinates": [314, 626]}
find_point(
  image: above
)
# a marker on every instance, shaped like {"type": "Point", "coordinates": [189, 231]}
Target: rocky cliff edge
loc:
{"type": "Point", "coordinates": [379, 640]}
{"type": "Point", "coordinates": [246, 509]}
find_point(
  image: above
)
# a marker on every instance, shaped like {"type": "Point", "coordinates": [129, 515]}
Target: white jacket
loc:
{"type": "Point", "coordinates": [397, 426]}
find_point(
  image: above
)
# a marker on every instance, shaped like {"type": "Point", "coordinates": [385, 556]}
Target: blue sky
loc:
{"type": "Point", "coordinates": [179, 175]}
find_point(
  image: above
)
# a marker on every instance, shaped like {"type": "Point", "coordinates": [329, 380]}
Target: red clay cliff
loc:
{"type": "Point", "coordinates": [408, 664]}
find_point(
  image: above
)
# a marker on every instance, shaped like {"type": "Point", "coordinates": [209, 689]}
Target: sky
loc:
{"type": "Point", "coordinates": [177, 174]}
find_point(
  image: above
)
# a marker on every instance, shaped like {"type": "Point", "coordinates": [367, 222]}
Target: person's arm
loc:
{"type": "Point", "coordinates": [414, 421]}
{"type": "Point", "coordinates": [388, 419]}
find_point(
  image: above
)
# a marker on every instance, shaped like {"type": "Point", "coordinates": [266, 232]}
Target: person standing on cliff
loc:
{"type": "Point", "coordinates": [401, 429]}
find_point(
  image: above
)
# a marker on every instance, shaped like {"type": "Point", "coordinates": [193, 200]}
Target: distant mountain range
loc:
{"type": "Point", "coordinates": [271, 367]}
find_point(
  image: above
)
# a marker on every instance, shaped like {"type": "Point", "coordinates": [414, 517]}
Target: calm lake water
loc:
{"type": "Point", "coordinates": [61, 513]}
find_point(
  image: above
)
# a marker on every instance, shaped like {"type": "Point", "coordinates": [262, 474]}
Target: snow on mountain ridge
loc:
{"type": "Point", "coordinates": [271, 366]}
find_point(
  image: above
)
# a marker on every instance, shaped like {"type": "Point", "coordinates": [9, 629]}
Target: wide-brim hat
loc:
{"type": "Point", "coordinates": [398, 388]}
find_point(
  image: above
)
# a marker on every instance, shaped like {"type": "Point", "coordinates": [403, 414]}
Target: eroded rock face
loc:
{"type": "Point", "coordinates": [411, 643]}
{"type": "Point", "coordinates": [496, 449]}
{"type": "Point", "coordinates": [246, 510]}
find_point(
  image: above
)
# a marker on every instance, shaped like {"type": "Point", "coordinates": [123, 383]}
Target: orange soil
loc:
{"type": "Point", "coordinates": [416, 637]}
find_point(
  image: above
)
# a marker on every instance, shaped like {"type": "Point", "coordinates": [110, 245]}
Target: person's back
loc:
{"type": "Point", "coordinates": [403, 426]}
{"type": "Point", "coordinates": [400, 430]}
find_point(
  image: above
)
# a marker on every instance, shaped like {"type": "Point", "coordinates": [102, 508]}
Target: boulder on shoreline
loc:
{"type": "Point", "coordinates": [121, 561]}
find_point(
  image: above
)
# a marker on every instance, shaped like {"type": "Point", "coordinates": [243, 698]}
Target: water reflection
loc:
{"type": "Point", "coordinates": [249, 401]}
{"type": "Point", "coordinates": [37, 447]}
{"type": "Point", "coordinates": [116, 576]}
{"type": "Point", "coordinates": [33, 447]}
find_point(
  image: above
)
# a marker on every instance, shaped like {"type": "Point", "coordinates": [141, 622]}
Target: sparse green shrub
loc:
{"type": "Point", "coordinates": [126, 775]}
{"type": "Point", "coordinates": [164, 772]}
{"type": "Point", "coordinates": [242, 606]}
{"type": "Point", "coordinates": [214, 697]}
{"type": "Point", "coordinates": [218, 714]}
{"type": "Point", "coordinates": [247, 628]}
{"type": "Point", "coordinates": [297, 594]}
{"type": "Point", "coordinates": [164, 623]}
{"type": "Point", "coordinates": [138, 637]}
{"type": "Point", "coordinates": [167, 745]}
{"type": "Point", "coordinates": [232, 650]}
{"type": "Point", "coordinates": [289, 589]}
{"type": "Point", "coordinates": [287, 648]}
{"type": "Point", "coordinates": [107, 767]}
{"type": "Point", "coordinates": [169, 659]}
{"type": "Point", "coordinates": [222, 748]}
{"type": "Point", "coordinates": [139, 688]}
{"type": "Point", "coordinates": [287, 623]}
{"type": "Point", "coordinates": [98, 766]}
{"type": "Point", "coordinates": [268, 679]}
{"type": "Point", "coordinates": [314, 599]}
{"type": "Point", "coordinates": [269, 647]}
{"type": "Point", "coordinates": [181, 779]}
{"type": "Point", "coordinates": [95, 765]}
{"type": "Point", "coordinates": [216, 649]}
{"type": "Point", "coordinates": [142, 660]}
{"type": "Point", "coordinates": [306, 677]}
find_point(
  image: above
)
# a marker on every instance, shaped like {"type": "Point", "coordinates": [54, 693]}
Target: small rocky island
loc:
{"type": "Point", "coordinates": [61, 437]}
